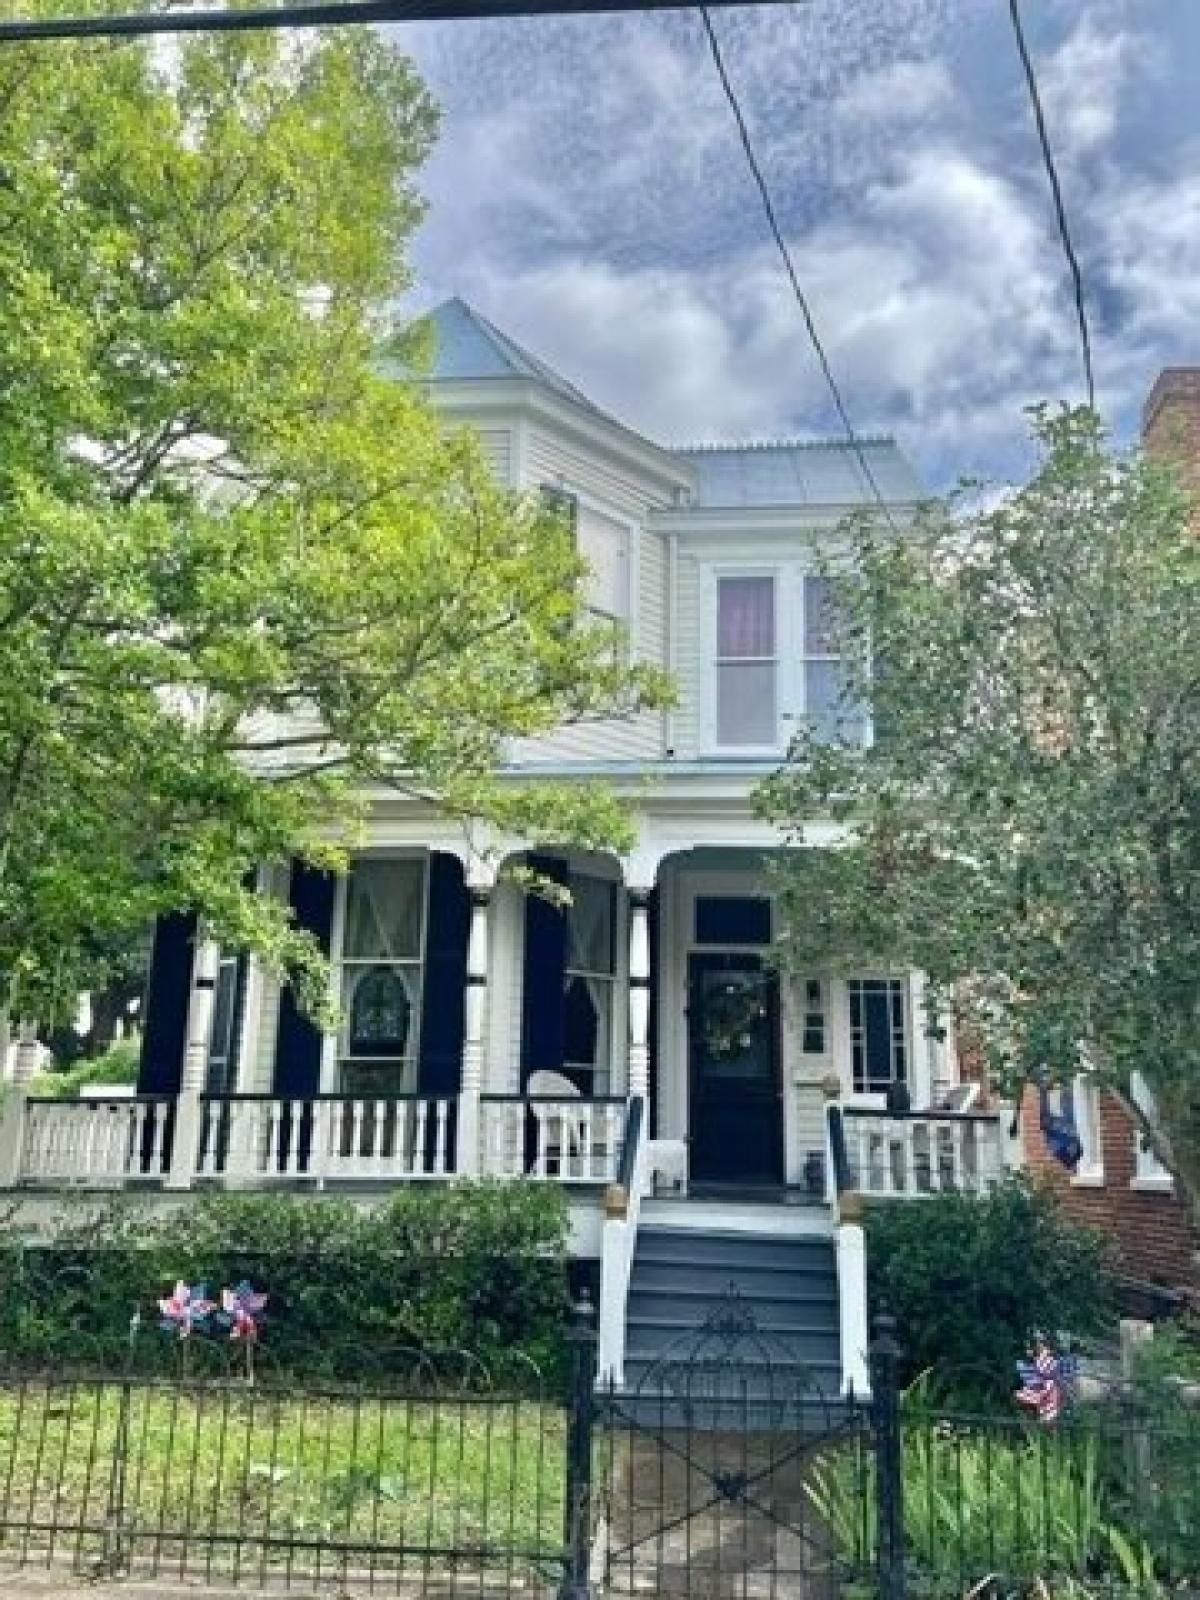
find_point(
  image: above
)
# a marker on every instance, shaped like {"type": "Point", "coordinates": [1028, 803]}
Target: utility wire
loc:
{"type": "Point", "coordinates": [789, 264]}
{"type": "Point", "coordinates": [1060, 210]}
{"type": "Point", "coordinates": [320, 13]}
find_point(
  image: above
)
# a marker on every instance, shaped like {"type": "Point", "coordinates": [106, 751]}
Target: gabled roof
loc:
{"type": "Point", "coordinates": [467, 347]}
{"type": "Point", "coordinates": [790, 472]}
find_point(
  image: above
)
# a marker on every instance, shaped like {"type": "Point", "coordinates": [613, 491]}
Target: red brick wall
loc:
{"type": "Point", "coordinates": [1153, 1238]}
{"type": "Point", "coordinates": [1171, 422]}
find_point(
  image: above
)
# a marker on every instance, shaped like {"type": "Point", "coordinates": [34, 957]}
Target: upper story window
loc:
{"type": "Point", "coordinates": [381, 965]}
{"type": "Point", "coordinates": [777, 661]}
{"type": "Point", "coordinates": [747, 664]}
{"type": "Point", "coordinates": [605, 543]}
{"type": "Point", "coordinates": [827, 706]}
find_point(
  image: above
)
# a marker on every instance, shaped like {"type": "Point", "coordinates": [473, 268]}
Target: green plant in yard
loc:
{"type": "Point", "coordinates": [971, 1279]}
{"type": "Point", "coordinates": [334, 1463]}
{"type": "Point", "coordinates": [980, 1497]}
{"type": "Point", "coordinates": [476, 1268]}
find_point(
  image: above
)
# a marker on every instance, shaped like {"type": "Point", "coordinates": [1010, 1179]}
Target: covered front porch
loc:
{"type": "Point", "coordinates": [491, 1030]}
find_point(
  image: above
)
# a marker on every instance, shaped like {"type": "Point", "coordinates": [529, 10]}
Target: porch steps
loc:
{"type": "Point", "coordinates": [729, 1328]}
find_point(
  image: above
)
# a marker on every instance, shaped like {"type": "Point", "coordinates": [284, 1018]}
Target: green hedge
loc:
{"type": "Point", "coordinates": [478, 1267]}
{"type": "Point", "coordinates": [971, 1279]}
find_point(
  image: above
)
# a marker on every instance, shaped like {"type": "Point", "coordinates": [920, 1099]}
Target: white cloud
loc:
{"type": "Point", "coordinates": [591, 196]}
{"type": "Point", "coordinates": [902, 91]}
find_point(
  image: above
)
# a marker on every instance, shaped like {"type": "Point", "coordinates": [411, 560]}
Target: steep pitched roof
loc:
{"type": "Point", "coordinates": [466, 347]}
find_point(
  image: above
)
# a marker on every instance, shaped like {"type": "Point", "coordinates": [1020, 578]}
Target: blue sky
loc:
{"type": "Point", "coordinates": [589, 194]}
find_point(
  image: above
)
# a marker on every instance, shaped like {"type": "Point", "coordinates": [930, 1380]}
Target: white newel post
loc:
{"type": "Point", "coordinates": [28, 1054]}
{"type": "Point", "coordinates": [850, 1246]}
{"type": "Point", "coordinates": [639, 994]}
{"type": "Point", "coordinates": [12, 1134]}
{"type": "Point", "coordinates": [185, 1143]}
{"type": "Point", "coordinates": [474, 1034]}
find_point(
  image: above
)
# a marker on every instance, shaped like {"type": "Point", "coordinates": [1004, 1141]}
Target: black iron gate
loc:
{"type": "Point", "coordinates": [712, 1466]}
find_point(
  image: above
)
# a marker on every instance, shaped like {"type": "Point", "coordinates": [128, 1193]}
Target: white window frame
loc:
{"type": "Point", "coordinates": [334, 1054]}
{"type": "Point", "coordinates": [227, 967]}
{"type": "Point", "coordinates": [715, 572]}
{"type": "Point", "coordinates": [792, 655]}
{"type": "Point", "coordinates": [1149, 1174]}
{"type": "Point", "coordinates": [1085, 1100]}
{"type": "Point", "coordinates": [627, 620]}
{"type": "Point", "coordinates": [605, 1065]}
{"type": "Point", "coordinates": [844, 1052]}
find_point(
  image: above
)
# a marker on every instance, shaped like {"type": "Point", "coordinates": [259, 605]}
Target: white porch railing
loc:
{"type": "Point", "coordinates": [569, 1140]}
{"type": "Point", "coordinates": [264, 1138]}
{"type": "Point", "coordinates": [910, 1154]}
{"type": "Point", "coordinates": [249, 1140]}
{"type": "Point", "coordinates": [95, 1142]}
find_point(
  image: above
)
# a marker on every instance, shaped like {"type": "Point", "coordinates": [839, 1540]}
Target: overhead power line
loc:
{"type": "Point", "coordinates": [1060, 210]}
{"type": "Point", "coordinates": [789, 263]}
{"type": "Point", "coordinates": [320, 14]}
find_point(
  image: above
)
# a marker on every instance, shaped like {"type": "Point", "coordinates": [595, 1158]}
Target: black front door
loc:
{"type": "Point", "coordinates": [736, 1109]}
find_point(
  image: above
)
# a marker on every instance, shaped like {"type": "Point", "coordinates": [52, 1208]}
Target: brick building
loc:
{"type": "Point", "coordinates": [1118, 1185]}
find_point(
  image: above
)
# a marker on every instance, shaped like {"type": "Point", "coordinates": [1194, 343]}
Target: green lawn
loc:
{"type": "Point", "coordinates": [281, 1478]}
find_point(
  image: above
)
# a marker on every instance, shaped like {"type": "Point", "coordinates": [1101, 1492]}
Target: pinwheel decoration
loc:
{"type": "Point", "coordinates": [186, 1311]}
{"type": "Point", "coordinates": [241, 1310]}
{"type": "Point", "coordinates": [1048, 1382]}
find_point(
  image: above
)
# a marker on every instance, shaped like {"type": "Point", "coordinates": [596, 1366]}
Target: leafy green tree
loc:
{"type": "Point", "coordinates": [1026, 825]}
{"type": "Point", "coordinates": [246, 577]}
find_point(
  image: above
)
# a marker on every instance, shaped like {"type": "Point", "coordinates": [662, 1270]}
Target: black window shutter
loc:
{"type": "Point", "coordinates": [443, 1006]}
{"type": "Point", "coordinates": [298, 1043]}
{"type": "Point", "coordinates": [167, 994]}
{"type": "Point", "coordinates": [544, 974]}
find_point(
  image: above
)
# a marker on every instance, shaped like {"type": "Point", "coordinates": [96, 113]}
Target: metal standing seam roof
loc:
{"type": "Point", "coordinates": [800, 471]}
{"type": "Point", "coordinates": [788, 472]}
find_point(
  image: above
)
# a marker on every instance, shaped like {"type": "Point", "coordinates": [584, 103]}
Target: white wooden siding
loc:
{"type": "Point", "coordinates": [551, 460]}
{"type": "Point", "coordinates": [688, 666]}
{"type": "Point", "coordinates": [498, 449]}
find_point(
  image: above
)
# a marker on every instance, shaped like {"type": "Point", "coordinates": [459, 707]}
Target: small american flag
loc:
{"type": "Point", "coordinates": [1047, 1382]}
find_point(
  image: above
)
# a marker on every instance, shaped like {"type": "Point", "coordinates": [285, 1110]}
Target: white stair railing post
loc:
{"type": "Point", "coordinates": [850, 1247]}
{"type": "Point", "coordinates": [12, 1134]}
{"type": "Point", "coordinates": [474, 1035]}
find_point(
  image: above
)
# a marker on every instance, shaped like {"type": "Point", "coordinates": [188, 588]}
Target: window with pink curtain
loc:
{"type": "Point", "coordinates": [746, 662]}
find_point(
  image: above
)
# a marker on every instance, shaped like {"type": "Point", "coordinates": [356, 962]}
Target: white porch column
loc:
{"type": "Point", "coordinates": [638, 1081]}
{"type": "Point", "coordinates": [475, 1030]}
{"type": "Point", "coordinates": [28, 1054]}
{"type": "Point", "coordinates": [200, 1015]}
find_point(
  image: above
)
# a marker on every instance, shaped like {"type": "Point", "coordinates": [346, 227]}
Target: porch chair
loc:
{"type": "Point", "coordinates": [560, 1129]}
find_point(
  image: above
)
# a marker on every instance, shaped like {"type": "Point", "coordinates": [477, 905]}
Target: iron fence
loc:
{"type": "Point", "coordinates": [727, 1465]}
{"type": "Point", "coordinates": [419, 1474]}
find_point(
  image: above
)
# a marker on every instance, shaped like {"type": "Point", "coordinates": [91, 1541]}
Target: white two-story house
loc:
{"type": "Point", "coordinates": [487, 1031]}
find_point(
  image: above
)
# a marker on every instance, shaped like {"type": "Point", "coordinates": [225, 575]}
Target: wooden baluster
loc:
{"type": "Point", "coordinates": [442, 1138]}
{"type": "Point", "coordinates": [543, 1122]}
{"type": "Point", "coordinates": [959, 1133]}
